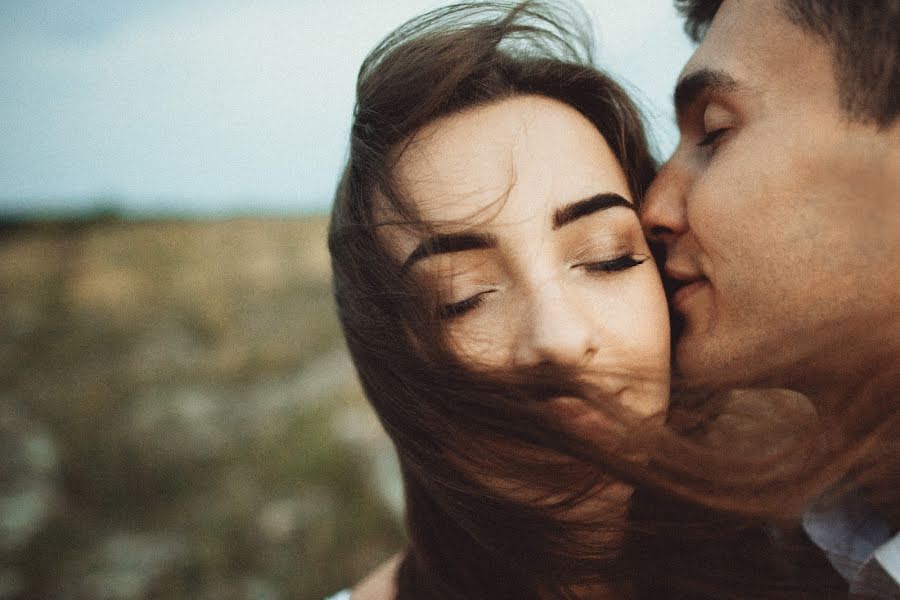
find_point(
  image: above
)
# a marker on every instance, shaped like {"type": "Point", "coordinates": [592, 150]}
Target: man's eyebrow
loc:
{"type": "Point", "coordinates": [582, 208]}
{"type": "Point", "coordinates": [444, 244]}
{"type": "Point", "coordinates": [700, 83]}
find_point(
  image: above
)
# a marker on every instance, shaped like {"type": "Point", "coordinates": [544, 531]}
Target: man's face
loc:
{"type": "Point", "coordinates": [779, 213]}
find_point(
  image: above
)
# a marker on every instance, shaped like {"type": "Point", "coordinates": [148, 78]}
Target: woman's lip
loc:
{"type": "Point", "coordinates": [685, 292]}
{"type": "Point", "coordinates": [579, 416]}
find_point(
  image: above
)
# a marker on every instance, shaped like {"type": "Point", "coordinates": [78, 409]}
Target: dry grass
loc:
{"type": "Point", "coordinates": [203, 433]}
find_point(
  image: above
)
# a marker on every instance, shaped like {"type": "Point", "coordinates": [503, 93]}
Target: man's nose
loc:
{"type": "Point", "coordinates": [555, 330]}
{"type": "Point", "coordinates": [663, 214]}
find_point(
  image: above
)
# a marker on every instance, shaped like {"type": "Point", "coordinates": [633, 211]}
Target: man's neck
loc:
{"type": "Point", "coordinates": [830, 385]}
{"type": "Point", "coordinates": [865, 413]}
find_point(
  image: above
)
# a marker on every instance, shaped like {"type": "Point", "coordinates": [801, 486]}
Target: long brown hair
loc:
{"type": "Point", "coordinates": [454, 427]}
{"type": "Point", "coordinates": [465, 540]}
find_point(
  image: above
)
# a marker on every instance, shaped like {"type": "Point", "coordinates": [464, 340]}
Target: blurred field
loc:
{"type": "Point", "coordinates": [179, 418]}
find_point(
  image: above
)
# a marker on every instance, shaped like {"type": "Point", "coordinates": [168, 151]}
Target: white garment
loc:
{"type": "Point", "coordinates": [342, 595]}
{"type": "Point", "coordinates": [861, 547]}
{"type": "Point", "coordinates": [888, 555]}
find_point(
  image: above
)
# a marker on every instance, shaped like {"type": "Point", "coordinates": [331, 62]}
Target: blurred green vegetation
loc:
{"type": "Point", "coordinates": [179, 417]}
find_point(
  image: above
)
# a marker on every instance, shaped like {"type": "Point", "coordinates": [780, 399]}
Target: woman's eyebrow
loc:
{"type": "Point", "coordinates": [582, 208]}
{"type": "Point", "coordinates": [444, 244]}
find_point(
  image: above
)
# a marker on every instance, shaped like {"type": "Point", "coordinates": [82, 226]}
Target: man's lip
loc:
{"type": "Point", "coordinates": [685, 290]}
{"type": "Point", "coordinates": [681, 271]}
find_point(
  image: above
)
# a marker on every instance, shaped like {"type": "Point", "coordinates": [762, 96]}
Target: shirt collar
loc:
{"type": "Point", "coordinates": [888, 554]}
{"type": "Point", "coordinates": [851, 536]}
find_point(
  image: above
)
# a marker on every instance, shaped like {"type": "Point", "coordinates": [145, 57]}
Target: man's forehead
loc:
{"type": "Point", "coordinates": [767, 57]}
{"type": "Point", "coordinates": [744, 34]}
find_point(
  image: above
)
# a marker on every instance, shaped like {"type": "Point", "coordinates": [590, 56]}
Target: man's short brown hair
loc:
{"type": "Point", "coordinates": [865, 39]}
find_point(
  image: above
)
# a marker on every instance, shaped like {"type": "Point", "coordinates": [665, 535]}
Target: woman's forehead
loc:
{"type": "Point", "coordinates": [517, 158]}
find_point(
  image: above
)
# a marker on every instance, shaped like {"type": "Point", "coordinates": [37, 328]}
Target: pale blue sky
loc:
{"type": "Point", "coordinates": [218, 106]}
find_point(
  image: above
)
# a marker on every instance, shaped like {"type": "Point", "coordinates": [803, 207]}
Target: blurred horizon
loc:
{"type": "Point", "coordinates": [212, 109]}
{"type": "Point", "coordinates": [100, 207]}
{"type": "Point", "coordinates": [180, 416]}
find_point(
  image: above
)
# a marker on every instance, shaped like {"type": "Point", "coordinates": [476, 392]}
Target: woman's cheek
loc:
{"type": "Point", "coordinates": [478, 339]}
{"type": "Point", "coordinates": [641, 313]}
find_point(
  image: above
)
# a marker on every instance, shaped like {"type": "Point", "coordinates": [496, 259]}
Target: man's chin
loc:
{"type": "Point", "coordinates": [712, 366]}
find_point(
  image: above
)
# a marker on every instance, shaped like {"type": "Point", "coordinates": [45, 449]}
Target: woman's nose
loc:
{"type": "Point", "coordinates": [554, 330]}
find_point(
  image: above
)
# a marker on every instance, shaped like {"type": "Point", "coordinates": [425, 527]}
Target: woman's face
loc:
{"type": "Point", "coordinates": [539, 258]}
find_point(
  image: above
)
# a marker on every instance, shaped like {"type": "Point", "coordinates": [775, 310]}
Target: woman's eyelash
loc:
{"type": "Point", "coordinates": [456, 309]}
{"type": "Point", "coordinates": [712, 136]}
{"type": "Point", "coordinates": [617, 264]}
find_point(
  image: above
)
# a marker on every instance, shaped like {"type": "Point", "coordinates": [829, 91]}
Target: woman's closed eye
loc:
{"type": "Point", "coordinates": [456, 309]}
{"type": "Point", "coordinates": [621, 263]}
